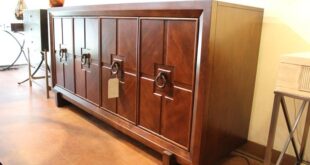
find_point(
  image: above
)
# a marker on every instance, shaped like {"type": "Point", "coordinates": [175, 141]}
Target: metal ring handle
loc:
{"type": "Point", "coordinates": [83, 59]}
{"type": "Point", "coordinates": [62, 53]}
{"type": "Point", "coordinates": [160, 80]}
{"type": "Point", "coordinates": [114, 67]}
{"type": "Point", "coordinates": [66, 56]}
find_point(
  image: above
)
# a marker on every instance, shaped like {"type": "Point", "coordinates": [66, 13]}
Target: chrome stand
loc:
{"type": "Point", "coordinates": [32, 76]}
{"type": "Point", "coordinates": [279, 100]}
{"type": "Point", "coordinates": [21, 47]}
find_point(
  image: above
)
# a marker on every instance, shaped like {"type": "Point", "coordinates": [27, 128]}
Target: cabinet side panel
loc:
{"type": "Point", "coordinates": [236, 49]}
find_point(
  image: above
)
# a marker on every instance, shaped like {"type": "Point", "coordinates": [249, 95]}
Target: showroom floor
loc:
{"type": "Point", "coordinates": [34, 131]}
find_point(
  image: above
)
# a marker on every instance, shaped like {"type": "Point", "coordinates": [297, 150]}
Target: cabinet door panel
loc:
{"type": "Point", "coordinates": [109, 104]}
{"type": "Point", "coordinates": [60, 74]}
{"type": "Point", "coordinates": [80, 79]}
{"type": "Point", "coordinates": [168, 46]}
{"type": "Point", "coordinates": [127, 42]}
{"type": "Point", "coordinates": [108, 48]}
{"type": "Point", "coordinates": [69, 74]}
{"type": "Point", "coordinates": [119, 41]}
{"type": "Point", "coordinates": [152, 43]}
{"type": "Point", "coordinates": [92, 84]}
{"type": "Point", "coordinates": [92, 72]}
{"type": "Point", "coordinates": [150, 106]}
{"type": "Point", "coordinates": [69, 63]}
{"type": "Point", "coordinates": [181, 41]}
{"type": "Point", "coordinates": [176, 116]}
{"type": "Point", "coordinates": [79, 39]}
{"type": "Point", "coordinates": [127, 50]}
{"type": "Point", "coordinates": [126, 106]}
{"type": "Point", "coordinates": [92, 38]}
{"type": "Point", "coordinates": [80, 74]}
{"type": "Point", "coordinates": [108, 27]}
{"type": "Point", "coordinates": [58, 42]}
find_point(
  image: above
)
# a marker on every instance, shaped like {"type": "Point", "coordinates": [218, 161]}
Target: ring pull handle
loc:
{"type": "Point", "coordinates": [115, 68]}
{"type": "Point", "coordinates": [85, 59]}
{"type": "Point", "coordinates": [63, 52]}
{"type": "Point", "coordinates": [66, 55]}
{"type": "Point", "coordinates": [161, 80]}
{"type": "Point", "coordinates": [60, 55]}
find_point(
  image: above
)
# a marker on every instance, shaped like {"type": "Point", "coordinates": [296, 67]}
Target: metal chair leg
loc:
{"type": "Point", "coordinates": [272, 129]}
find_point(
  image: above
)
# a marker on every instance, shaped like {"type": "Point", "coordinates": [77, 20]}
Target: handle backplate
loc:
{"type": "Point", "coordinates": [163, 81]}
{"type": "Point", "coordinates": [85, 57]}
{"type": "Point", "coordinates": [117, 68]}
{"type": "Point", "coordinates": [63, 52]}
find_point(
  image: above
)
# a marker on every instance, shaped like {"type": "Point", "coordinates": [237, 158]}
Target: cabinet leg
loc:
{"type": "Point", "coordinates": [60, 102]}
{"type": "Point", "coordinates": [168, 158]}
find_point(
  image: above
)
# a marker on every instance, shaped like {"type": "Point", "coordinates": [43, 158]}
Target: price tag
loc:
{"type": "Point", "coordinates": [113, 88]}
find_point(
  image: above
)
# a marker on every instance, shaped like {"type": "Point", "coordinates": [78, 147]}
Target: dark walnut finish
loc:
{"type": "Point", "coordinates": [64, 53]}
{"type": "Point", "coordinates": [186, 72]}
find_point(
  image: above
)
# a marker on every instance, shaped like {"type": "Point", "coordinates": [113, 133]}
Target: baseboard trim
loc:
{"type": "Point", "coordinates": [257, 152]}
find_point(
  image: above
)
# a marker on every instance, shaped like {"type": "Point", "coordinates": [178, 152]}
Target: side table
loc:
{"type": "Point", "coordinates": [280, 93]}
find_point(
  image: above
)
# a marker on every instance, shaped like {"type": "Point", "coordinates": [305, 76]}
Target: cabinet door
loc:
{"type": "Point", "coordinates": [119, 42]}
{"type": "Point", "coordinates": [79, 43]}
{"type": "Point", "coordinates": [167, 77]}
{"type": "Point", "coordinates": [108, 48]}
{"type": "Point", "coordinates": [57, 42]}
{"type": "Point", "coordinates": [69, 58]}
{"type": "Point", "coordinates": [92, 70]}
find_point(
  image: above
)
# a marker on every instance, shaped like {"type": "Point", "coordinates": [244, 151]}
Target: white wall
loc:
{"type": "Point", "coordinates": [8, 46]}
{"type": "Point", "coordinates": [286, 29]}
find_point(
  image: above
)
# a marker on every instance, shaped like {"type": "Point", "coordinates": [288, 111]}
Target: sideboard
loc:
{"type": "Point", "coordinates": [184, 72]}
